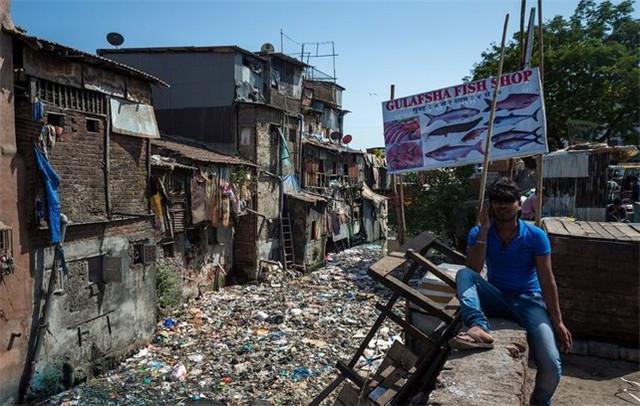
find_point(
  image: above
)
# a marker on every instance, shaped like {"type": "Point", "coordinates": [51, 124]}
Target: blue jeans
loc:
{"type": "Point", "coordinates": [479, 299]}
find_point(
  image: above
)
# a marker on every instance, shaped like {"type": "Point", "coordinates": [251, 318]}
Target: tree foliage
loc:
{"type": "Point", "coordinates": [437, 203]}
{"type": "Point", "coordinates": [591, 69]}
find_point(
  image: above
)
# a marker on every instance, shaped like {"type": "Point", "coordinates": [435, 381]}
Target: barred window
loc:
{"type": "Point", "coordinates": [68, 97]}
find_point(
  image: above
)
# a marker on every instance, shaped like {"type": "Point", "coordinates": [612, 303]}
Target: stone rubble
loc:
{"type": "Point", "coordinates": [276, 342]}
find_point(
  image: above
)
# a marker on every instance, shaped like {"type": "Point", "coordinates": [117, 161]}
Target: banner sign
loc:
{"type": "Point", "coordinates": [448, 127]}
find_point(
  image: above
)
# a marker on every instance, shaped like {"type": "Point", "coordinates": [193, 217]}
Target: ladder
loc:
{"type": "Point", "coordinates": [402, 374]}
{"type": "Point", "coordinates": [287, 243]}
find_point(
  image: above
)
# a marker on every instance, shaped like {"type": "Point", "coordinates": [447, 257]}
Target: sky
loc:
{"type": "Point", "coordinates": [416, 45]}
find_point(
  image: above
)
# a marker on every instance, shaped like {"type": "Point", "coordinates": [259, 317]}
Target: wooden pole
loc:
{"type": "Point", "coordinates": [539, 158]}
{"type": "Point", "coordinates": [523, 6]}
{"type": "Point", "coordinates": [487, 145]}
{"type": "Point", "coordinates": [398, 191]}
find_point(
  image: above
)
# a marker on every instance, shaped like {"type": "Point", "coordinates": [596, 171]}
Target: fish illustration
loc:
{"type": "Point", "coordinates": [514, 101]}
{"type": "Point", "coordinates": [513, 133]}
{"type": "Point", "coordinates": [398, 131]}
{"type": "Point", "coordinates": [405, 155]}
{"type": "Point", "coordinates": [456, 128]}
{"type": "Point", "coordinates": [513, 119]}
{"type": "Point", "coordinates": [473, 134]}
{"type": "Point", "coordinates": [517, 143]}
{"type": "Point", "coordinates": [454, 152]}
{"type": "Point", "coordinates": [451, 115]}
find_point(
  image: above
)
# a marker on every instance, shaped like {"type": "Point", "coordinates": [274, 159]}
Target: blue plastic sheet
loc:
{"type": "Point", "coordinates": [51, 183]}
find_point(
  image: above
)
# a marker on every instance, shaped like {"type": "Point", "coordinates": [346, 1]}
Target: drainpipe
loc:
{"type": "Point", "coordinates": [300, 156]}
{"type": "Point", "coordinates": [107, 160]}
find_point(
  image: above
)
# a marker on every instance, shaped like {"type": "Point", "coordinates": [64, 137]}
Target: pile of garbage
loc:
{"type": "Point", "coordinates": [275, 342]}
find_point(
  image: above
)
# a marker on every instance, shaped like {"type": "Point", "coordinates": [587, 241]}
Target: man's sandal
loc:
{"type": "Point", "coordinates": [460, 343]}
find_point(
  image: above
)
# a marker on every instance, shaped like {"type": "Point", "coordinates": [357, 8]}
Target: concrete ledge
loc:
{"type": "Point", "coordinates": [489, 377]}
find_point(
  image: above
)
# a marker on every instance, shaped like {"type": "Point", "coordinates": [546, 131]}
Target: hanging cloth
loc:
{"type": "Point", "coordinates": [198, 198]}
{"type": "Point", "coordinates": [51, 183]}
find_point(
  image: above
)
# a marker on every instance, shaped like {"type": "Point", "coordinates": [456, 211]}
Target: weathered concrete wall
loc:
{"type": "Point", "coordinates": [92, 322]}
{"type": "Point", "coordinates": [16, 291]}
{"type": "Point", "coordinates": [493, 377]}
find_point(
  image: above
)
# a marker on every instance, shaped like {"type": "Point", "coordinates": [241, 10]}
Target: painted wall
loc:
{"type": "Point", "coordinates": [16, 291]}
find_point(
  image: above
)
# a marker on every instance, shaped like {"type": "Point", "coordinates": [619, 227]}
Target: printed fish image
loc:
{"type": "Point", "coordinates": [405, 155]}
{"type": "Point", "coordinates": [513, 119]}
{"type": "Point", "coordinates": [454, 152]}
{"type": "Point", "coordinates": [451, 115]}
{"type": "Point", "coordinates": [403, 130]}
{"type": "Point", "coordinates": [514, 134]}
{"type": "Point", "coordinates": [517, 143]}
{"type": "Point", "coordinates": [456, 128]}
{"type": "Point", "coordinates": [473, 134]}
{"type": "Point", "coordinates": [514, 101]}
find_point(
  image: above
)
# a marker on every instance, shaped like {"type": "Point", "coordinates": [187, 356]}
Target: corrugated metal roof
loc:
{"type": "Point", "coordinates": [63, 51]}
{"type": "Point", "coordinates": [151, 50]}
{"type": "Point", "coordinates": [332, 147]}
{"type": "Point", "coordinates": [623, 232]}
{"type": "Point", "coordinates": [194, 153]}
{"type": "Point", "coordinates": [306, 197]}
{"type": "Point", "coordinates": [284, 57]}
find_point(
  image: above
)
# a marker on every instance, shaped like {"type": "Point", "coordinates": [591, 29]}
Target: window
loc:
{"type": "Point", "coordinates": [137, 253]}
{"type": "Point", "coordinates": [314, 230]}
{"type": "Point", "coordinates": [212, 236]}
{"type": "Point", "coordinates": [68, 97]}
{"type": "Point", "coordinates": [56, 120]}
{"type": "Point", "coordinates": [293, 135]}
{"type": "Point", "coordinates": [168, 250]}
{"type": "Point", "coordinates": [94, 269]}
{"type": "Point", "coordinates": [93, 125]}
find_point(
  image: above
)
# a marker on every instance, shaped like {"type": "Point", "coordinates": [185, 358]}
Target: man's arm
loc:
{"type": "Point", "coordinates": [477, 250]}
{"type": "Point", "coordinates": [550, 293]}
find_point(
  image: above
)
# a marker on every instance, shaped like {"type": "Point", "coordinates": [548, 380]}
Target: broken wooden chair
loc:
{"type": "Point", "coordinates": [402, 374]}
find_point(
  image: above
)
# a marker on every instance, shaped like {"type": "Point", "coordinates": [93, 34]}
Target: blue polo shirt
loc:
{"type": "Point", "coordinates": [512, 269]}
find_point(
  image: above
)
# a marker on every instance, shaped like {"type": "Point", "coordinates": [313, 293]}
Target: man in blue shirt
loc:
{"type": "Point", "coordinates": [520, 286]}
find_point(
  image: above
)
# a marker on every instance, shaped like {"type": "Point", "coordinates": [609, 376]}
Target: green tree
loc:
{"type": "Point", "coordinates": [436, 203]}
{"type": "Point", "coordinates": [591, 69]}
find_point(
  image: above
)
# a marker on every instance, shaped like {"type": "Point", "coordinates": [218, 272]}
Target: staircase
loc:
{"type": "Point", "coordinates": [287, 243]}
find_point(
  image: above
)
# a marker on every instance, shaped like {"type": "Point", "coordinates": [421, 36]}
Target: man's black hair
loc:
{"type": "Point", "coordinates": [503, 190]}
{"type": "Point", "coordinates": [617, 201]}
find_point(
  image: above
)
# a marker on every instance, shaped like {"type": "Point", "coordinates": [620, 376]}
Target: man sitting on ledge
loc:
{"type": "Point", "coordinates": [520, 287]}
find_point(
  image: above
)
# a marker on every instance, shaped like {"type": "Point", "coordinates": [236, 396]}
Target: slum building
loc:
{"type": "Point", "coordinates": [237, 102]}
{"type": "Point", "coordinates": [83, 283]}
{"type": "Point", "coordinates": [197, 197]}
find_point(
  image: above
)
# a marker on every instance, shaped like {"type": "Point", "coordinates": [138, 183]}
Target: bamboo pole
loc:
{"type": "Point", "coordinates": [523, 6]}
{"type": "Point", "coordinates": [487, 146]}
{"type": "Point", "coordinates": [539, 158]}
{"type": "Point", "coordinates": [398, 191]}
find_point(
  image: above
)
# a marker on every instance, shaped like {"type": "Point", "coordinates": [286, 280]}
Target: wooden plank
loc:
{"type": "Point", "coordinates": [351, 374]}
{"type": "Point", "coordinates": [406, 326]}
{"type": "Point", "coordinates": [628, 231]}
{"type": "Point", "coordinates": [455, 256]}
{"type": "Point", "coordinates": [444, 277]}
{"type": "Point", "coordinates": [603, 234]}
{"type": "Point", "coordinates": [635, 226]}
{"type": "Point", "coordinates": [386, 265]}
{"type": "Point", "coordinates": [613, 230]}
{"type": "Point", "coordinates": [350, 396]}
{"type": "Point", "coordinates": [326, 391]}
{"type": "Point", "coordinates": [416, 297]}
{"type": "Point", "coordinates": [419, 242]}
{"type": "Point", "coordinates": [574, 229]}
{"type": "Point", "coordinates": [554, 227]}
{"type": "Point", "coordinates": [586, 226]}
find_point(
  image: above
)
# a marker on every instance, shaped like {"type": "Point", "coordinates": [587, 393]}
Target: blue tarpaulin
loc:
{"type": "Point", "coordinates": [51, 183]}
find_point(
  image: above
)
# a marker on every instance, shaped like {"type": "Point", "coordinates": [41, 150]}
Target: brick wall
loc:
{"type": "Point", "coordinates": [599, 288]}
{"type": "Point", "coordinates": [78, 157]}
{"type": "Point", "coordinates": [128, 177]}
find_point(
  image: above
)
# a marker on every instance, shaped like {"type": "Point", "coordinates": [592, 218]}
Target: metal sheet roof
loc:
{"type": "Point", "coordinates": [306, 197]}
{"type": "Point", "coordinates": [199, 154]}
{"type": "Point", "coordinates": [178, 49]}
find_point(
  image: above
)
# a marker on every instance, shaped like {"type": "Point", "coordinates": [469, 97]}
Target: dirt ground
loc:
{"type": "Point", "coordinates": [596, 381]}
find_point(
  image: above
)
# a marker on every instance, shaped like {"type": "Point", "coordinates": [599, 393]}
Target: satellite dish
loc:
{"type": "Point", "coordinates": [335, 135]}
{"type": "Point", "coordinates": [347, 139]}
{"type": "Point", "coordinates": [115, 39]}
{"type": "Point", "coordinates": [267, 48]}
